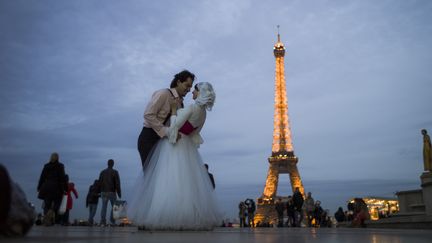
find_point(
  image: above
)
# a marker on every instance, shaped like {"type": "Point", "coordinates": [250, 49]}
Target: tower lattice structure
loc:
{"type": "Point", "coordinates": [282, 159]}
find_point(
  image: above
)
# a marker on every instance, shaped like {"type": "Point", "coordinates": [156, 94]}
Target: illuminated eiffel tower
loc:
{"type": "Point", "coordinates": [282, 159]}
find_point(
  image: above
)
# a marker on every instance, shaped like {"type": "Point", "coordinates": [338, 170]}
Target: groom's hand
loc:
{"type": "Point", "coordinates": [178, 136]}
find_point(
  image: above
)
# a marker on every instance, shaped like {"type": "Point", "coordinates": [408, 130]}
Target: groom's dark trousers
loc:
{"type": "Point", "coordinates": [146, 141]}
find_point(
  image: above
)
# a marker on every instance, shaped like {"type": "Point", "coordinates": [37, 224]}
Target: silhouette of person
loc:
{"type": "Point", "coordinates": [92, 200]}
{"type": "Point", "coordinates": [211, 176]}
{"type": "Point", "coordinates": [109, 180]}
{"type": "Point", "coordinates": [52, 185]}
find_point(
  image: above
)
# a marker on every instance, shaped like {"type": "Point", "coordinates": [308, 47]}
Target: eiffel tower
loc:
{"type": "Point", "coordinates": [282, 159]}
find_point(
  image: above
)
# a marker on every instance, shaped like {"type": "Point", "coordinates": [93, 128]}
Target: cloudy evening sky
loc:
{"type": "Point", "coordinates": [75, 77]}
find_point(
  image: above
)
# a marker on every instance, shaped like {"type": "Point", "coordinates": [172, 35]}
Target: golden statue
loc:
{"type": "Point", "coordinates": [427, 152]}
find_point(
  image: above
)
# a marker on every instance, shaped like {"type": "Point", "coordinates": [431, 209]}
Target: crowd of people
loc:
{"type": "Point", "coordinates": [247, 210]}
{"type": "Point", "coordinates": [355, 215]}
{"type": "Point", "coordinates": [56, 191]}
{"type": "Point", "coordinates": [293, 211]}
{"type": "Point", "coordinates": [301, 211]}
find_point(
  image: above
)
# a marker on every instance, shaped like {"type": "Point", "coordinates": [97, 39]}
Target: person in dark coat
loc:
{"type": "Point", "coordinates": [280, 208]}
{"type": "Point", "coordinates": [211, 176]}
{"type": "Point", "coordinates": [298, 204]}
{"type": "Point", "coordinates": [340, 215]}
{"type": "Point", "coordinates": [52, 185]}
{"type": "Point", "coordinates": [318, 213]}
{"type": "Point", "coordinates": [109, 180]}
{"type": "Point", "coordinates": [350, 207]}
{"type": "Point", "coordinates": [92, 200]}
{"type": "Point", "coordinates": [251, 208]}
{"type": "Point", "coordinates": [242, 214]}
{"type": "Point", "coordinates": [291, 212]}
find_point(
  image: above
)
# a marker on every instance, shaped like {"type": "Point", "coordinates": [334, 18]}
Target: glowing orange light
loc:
{"type": "Point", "coordinates": [282, 159]}
{"type": "Point", "coordinates": [282, 131]}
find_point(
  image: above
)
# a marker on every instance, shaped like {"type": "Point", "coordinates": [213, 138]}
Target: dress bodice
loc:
{"type": "Point", "coordinates": [193, 114]}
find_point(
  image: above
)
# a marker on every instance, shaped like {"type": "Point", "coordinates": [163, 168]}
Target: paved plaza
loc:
{"type": "Point", "coordinates": [228, 235]}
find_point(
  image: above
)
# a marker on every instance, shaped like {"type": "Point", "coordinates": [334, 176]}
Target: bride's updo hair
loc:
{"type": "Point", "coordinates": [206, 96]}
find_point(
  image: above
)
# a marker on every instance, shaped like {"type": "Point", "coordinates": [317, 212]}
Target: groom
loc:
{"type": "Point", "coordinates": [158, 112]}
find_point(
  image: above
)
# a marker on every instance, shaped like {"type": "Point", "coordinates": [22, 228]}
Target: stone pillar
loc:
{"type": "Point", "coordinates": [426, 184]}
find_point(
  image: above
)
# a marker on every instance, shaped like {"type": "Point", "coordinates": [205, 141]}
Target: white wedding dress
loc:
{"type": "Point", "coordinates": [175, 191]}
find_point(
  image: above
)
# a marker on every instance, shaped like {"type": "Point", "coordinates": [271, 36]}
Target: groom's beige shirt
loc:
{"type": "Point", "coordinates": [158, 110]}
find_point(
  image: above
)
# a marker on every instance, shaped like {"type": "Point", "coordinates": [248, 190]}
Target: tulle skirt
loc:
{"type": "Point", "coordinates": [175, 191]}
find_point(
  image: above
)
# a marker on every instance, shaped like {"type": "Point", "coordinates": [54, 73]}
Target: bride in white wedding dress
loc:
{"type": "Point", "coordinates": [175, 192]}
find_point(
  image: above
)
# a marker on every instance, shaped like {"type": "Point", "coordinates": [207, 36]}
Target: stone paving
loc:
{"type": "Point", "coordinates": [228, 235]}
